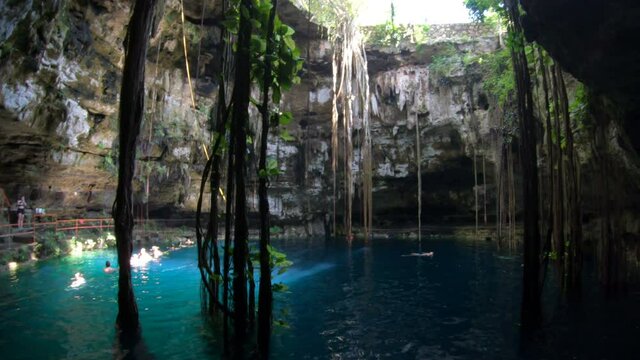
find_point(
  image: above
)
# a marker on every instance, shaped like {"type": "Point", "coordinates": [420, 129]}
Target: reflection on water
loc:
{"type": "Point", "coordinates": [344, 302]}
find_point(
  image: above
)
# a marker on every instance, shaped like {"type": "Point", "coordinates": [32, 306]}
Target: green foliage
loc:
{"type": "Point", "coordinates": [579, 106]}
{"type": "Point", "coordinates": [173, 129]}
{"type": "Point", "coordinates": [330, 14]}
{"type": "Point", "coordinates": [446, 61]}
{"type": "Point", "coordinates": [286, 136]}
{"type": "Point", "coordinates": [480, 10]}
{"type": "Point", "coordinates": [499, 77]}
{"type": "Point", "coordinates": [278, 260]}
{"type": "Point", "coordinates": [285, 59]}
{"type": "Point", "coordinates": [275, 230]}
{"type": "Point", "coordinates": [579, 112]}
{"type": "Point", "coordinates": [51, 244]}
{"type": "Point", "coordinates": [271, 169]}
{"type": "Point", "coordinates": [109, 162]}
{"type": "Point", "coordinates": [279, 287]}
{"type": "Point", "coordinates": [286, 62]}
{"type": "Point", "coordinates": [20, 254]}
{"type": "Point", "coordinates": [390, 34]}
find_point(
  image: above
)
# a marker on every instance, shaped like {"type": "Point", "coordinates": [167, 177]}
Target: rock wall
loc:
{"type": "Point", "coordinates": [405, 91]}
{"type": "Point", "coordinates": [61, 73]}
{"type": "Point", "coordinates": [62, 64]}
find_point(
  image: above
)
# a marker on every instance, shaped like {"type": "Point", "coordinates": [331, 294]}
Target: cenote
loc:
{"type": "Point", "coordinates": [364, 301]}
{"type": "Point", "coordinates": [319, 179]}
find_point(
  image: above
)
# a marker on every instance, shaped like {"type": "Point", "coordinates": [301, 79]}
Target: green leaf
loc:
{"type": "Point", "coordinates": [281, 323]}
{"type": "Point", "coordinates": [285, 118]}
{"type": "Point", "coordinates": [279, 287]}
{"type": "Point", "coordinates": [284, 135]}
{"type": "Point", "coordinates": [277, 95]}
{"type": "Point", "coordinates": [245, 12]}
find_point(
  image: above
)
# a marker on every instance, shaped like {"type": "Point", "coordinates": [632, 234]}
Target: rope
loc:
{"type": "Point", "coordinates": [186, 56]}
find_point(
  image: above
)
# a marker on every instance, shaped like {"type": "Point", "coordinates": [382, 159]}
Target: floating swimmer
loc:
{"type": "Point", "coordinates": [78, 280]}
{"type": "Point", "coordinates": [155, 252]}
{"type": "Point", "coordinates": [427, 254]}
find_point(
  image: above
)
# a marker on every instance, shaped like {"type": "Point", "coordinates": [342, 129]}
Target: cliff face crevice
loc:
{"type": "Point", "coordinates": [59, 96]}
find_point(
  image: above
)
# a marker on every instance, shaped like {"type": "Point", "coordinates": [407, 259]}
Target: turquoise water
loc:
{"type": "Point", "coordinates": [358, 302]}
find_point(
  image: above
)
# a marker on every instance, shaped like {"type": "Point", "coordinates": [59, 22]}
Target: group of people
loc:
{"type": "Point", "coordinates": [143, 257]}
{"type": "Point", "coordinates": [78, 279]}
{"type": "Point", "coordinates": [137, 260]}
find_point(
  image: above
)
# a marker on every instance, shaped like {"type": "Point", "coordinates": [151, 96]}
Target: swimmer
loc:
{"type": "Point", "coordinates": [144, 256]}
{"type": "Point", "coordinates": [140, 259]}
{"type": "Point", "coordinates": [155, 252]}
{"type": "Point", "coordinates": [78, 280]}
{"type": "Point", "coordinates": [427, 254]}
{"type": "Point", "coordinates": [108, 268]}
{"type": "Point", "coordinates": [135, 260]}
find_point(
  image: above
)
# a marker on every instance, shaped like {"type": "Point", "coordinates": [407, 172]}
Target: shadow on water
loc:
{"type": "Point", "coordinates": [131, 346]}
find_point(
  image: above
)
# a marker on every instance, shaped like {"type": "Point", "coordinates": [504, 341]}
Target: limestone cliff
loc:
{"type": "Point", "coordinates": [61, 64]}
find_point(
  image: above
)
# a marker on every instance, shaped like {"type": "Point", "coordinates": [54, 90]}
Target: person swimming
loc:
{"type": "Point", "coordinates": [155, 252]}
{"type": "Point", "coordinates": [140, 259]}
{"type": "Point", "coordinates": [145, 257]}
{"type": "Point", "coordinates": [108, 268]}
{"type": "Point", "coordinates": [78, 280]}
{"type": "Point", "coordinates": [427, 254]}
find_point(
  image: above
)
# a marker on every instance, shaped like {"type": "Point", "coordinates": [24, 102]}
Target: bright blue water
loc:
{"type": "Point", "coordinates": [363, 302]}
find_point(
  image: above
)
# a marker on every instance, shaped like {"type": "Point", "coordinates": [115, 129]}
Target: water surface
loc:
{"type": "Point", "coordinates": [358, 302]}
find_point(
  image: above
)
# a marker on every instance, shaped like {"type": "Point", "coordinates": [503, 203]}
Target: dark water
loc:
{"type": "Point", "coordinates": [358, 302]}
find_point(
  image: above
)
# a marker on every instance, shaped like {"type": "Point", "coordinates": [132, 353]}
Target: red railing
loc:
{"type": "Point", "coordinates": [74, 225]}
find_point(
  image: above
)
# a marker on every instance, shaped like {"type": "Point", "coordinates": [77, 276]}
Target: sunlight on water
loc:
{"type": "Point", "coordinates": [296, 274]}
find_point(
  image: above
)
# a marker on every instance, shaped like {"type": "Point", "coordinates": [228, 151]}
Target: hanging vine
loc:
{"type": "Point", "coordinates": [351, 100]}
{"type": "Point", "coordinates": [257, 48]}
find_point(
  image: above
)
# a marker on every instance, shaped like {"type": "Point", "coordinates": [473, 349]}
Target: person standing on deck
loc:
{"type": "Point", "coordinates": [22, 204]}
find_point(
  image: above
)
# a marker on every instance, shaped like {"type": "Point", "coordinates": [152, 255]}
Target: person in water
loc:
{"type": "Point", "coordinates": [108, 268]}
{"type": "Point", "coordinates": [155, 252]}
{"type": "Point", "coordinates": [78, 280]}
{"type": "Point", "coordinates": [21, 205]}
